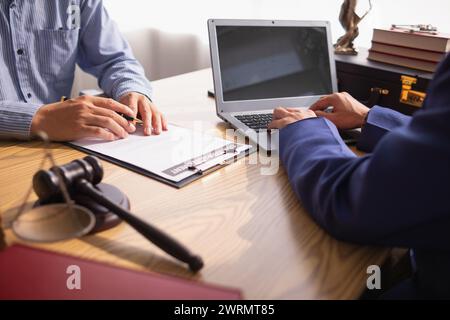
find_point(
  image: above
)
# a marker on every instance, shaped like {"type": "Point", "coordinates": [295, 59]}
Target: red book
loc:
{"type": "Point", "coordinates": [28, 273]}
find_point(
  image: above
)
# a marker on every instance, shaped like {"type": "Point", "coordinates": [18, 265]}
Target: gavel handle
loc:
{"type": "Point", "coordinates": [158, 237]}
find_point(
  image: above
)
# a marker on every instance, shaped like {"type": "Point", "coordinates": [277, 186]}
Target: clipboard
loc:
{"type": "Point", "coordinates": [192, 167]}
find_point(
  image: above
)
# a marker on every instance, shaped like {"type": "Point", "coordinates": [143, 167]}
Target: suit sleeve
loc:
{"type": "Point", "coordinates": [379, 122]}
{"type": "Point", "coordinates": [393, 197]}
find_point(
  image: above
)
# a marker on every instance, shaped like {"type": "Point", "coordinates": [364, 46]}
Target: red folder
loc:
{"type": "Point", "coordinates": [28, 273]}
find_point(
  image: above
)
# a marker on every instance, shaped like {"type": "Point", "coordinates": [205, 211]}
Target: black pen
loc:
{"type": "Point", "coordinates": [132, 119]}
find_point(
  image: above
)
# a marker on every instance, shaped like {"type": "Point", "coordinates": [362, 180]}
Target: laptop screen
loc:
{"type": "Point", "coordinates": [273, 62]}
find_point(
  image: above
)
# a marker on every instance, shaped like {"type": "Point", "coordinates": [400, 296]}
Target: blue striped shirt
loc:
{"type": "Point", "coordinates": [41, 41]}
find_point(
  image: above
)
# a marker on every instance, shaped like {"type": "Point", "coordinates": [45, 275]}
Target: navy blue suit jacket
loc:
{"type": "Point", "coordinates": [396, 196]}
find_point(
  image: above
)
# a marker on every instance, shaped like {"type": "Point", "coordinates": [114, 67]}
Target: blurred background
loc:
{"type": "Point", "coordinates": [170, 37]}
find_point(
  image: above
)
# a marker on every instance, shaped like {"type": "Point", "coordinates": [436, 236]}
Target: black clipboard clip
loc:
{"type": "Point", "coordinates": [193, 166]}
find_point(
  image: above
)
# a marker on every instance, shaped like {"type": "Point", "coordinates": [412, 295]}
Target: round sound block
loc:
{"type": "Point", "coordinates": [104, 218]}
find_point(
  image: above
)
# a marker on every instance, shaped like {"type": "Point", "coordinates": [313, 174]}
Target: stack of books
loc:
{"type": "Point", "coordinates": [415, 50]}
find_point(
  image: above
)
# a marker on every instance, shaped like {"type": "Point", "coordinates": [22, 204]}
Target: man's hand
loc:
{"type": "Point", "coordinates": [285, 116]}
{"type": "Point", "coordinates": [83, 117]}
{"type": "Point", "coordinates": [348, 113]}
{"type": "Point", "coordinates": [147, 110]}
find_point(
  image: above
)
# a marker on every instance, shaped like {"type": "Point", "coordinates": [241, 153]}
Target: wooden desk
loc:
{"type": "Point", "coordinates": [249, 228]}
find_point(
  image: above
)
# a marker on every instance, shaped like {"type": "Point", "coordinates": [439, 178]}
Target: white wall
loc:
{"type": "Point", "coordinates": [184, 16]}
{"type": "Point", "coordinates": [170, 36]}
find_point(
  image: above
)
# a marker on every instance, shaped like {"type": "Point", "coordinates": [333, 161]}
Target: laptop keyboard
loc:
{"type": "Point", "coordinates": [255, 121]}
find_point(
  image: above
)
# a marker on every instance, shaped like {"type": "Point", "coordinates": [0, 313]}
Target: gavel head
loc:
{"type": "Point", "coordinates": [46, 183]}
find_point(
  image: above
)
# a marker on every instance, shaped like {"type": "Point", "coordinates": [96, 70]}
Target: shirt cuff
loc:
{"type": "Point", "coordinates": [16, 118]}
{"type": "Point", "coordinates": [379, 122]}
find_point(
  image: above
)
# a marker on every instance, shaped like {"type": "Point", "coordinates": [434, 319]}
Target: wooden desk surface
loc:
{"type": "Point", "coordinates": [249, 228]}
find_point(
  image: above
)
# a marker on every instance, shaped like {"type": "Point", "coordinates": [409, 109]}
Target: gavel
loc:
{"type": "Point", "coordinates": [80, 177]}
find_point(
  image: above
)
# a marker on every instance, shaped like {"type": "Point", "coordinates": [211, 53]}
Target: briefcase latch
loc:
{"type": "Point", "coordinates": [411, 97]}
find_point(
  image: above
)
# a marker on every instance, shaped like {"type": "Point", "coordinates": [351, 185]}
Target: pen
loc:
{"type": "Point", "coordinates": [132, 119]}
{"type": "Point", "coordinates": [129, 118]}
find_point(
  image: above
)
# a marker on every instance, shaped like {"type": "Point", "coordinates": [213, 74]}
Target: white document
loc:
{"type": "Point", "coordinates": [174, 154]}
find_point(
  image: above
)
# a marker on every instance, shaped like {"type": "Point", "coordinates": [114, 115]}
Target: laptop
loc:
{"type": "Point", "coordinates": [259, 65]}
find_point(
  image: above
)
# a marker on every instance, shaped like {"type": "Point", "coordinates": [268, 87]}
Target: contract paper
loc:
{"type": "Point", "coordinates": [174, 155]}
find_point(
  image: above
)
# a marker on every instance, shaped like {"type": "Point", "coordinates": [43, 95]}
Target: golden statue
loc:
{"type": "Point", "coordinates": [349, 21]}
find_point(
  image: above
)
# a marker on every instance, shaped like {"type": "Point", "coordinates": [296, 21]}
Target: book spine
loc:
{"type": "Point", "coordinates": [403, 62]}
{"type": "Point", "coordinates": [411, 40]}
{"type": "Point", "coordinates": [396, 45]}
{"type": "Point", "coordinates": [404, 56]}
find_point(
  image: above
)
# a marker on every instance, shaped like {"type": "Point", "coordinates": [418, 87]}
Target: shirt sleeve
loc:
{"type": "Point", "coordinates": [379, 122]}
{"type": "Point", "coordinates": [15, 119]}
{"type": "Point", "coordinates": [105, 54]}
